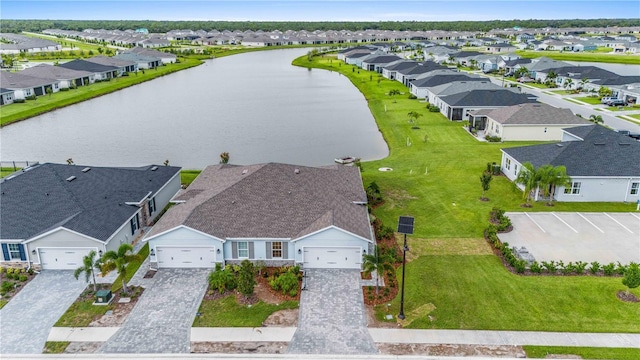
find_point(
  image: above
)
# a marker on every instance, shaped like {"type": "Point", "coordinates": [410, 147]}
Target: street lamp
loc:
{"type": "Point", "coordinates": [405, 226]}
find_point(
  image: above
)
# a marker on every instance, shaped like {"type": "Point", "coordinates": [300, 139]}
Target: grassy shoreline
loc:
{"type": "Point", "coordinates": [583, 56]}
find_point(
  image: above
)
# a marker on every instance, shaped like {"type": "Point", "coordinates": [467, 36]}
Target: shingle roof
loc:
{"type": "Point", "coordinates": [41, 199]}
{"type": "Point", "coordinates": [463, 86]}
{"type": "Point", "coordinates": [382, 59]}
{"type": "Point", "coordinates": [487, 98]}
{"type": "Point", "coordinates": [10, 80]}
{"type": "Point", "coordinates": [270, 201]}
{"type": "Point", "coordinates": [603, 152]}
{"type": "Point", "coordinates": [535, 114]}
{"type": "Point", "coordinates": [87, 66]}
{"type": "Point", "coordinates": [110, 61]}
{"type": "Point", "coordinates": [46, 71]}
{"type": "Point", "coordinates": [440, 79]}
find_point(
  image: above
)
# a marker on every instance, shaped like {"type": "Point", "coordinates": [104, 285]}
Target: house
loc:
{"type": "Point", "coordinates": [525, 37]}
{"type": "Point", "coordinates": [142, 62]}
{"type": "Point", "coordinates": [419, 87]}
{"type": "Point", "coordinates": [154, 43]}
{"type": "Point", "coordinates": [457, 106]}
{"type": "Point", "coordinates": [66, 78]}
{"type": "Point", "coordinates": [124, 66]}
{"type": "Point", "coordinates": [500, 48]}
{"type": "Point", "coordinates": [24, 86]}
{"type": "Point", "coordinates": [166, 58]}
{"type": "Point", "coordinates": [277, 214]}
{"type": "Point", "coordinates": [99, 71]}
{"type": "Point", "coordinates": [603, 164]}
{"type": "Point", "coordinates": [52, 215]}
{"type": "Point", "coordinates": [390, 71]}
{"type": "Point", "coordinates": [6, 96]}
{"type": "Point", "coordinates": [377, 62]}
{"type": "Point", "coordinates": [405, 76]}
{"type": "Point", "coordinates": [530, 121]}
{"type": "Point", "coordinates": [434, 93]}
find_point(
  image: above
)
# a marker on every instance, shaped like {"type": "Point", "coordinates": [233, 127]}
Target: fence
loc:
{"type": "Point", "coordinates": [17, 165]}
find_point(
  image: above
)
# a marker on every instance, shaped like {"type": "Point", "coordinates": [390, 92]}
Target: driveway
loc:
{"type": "Point", "coordinates": [161, 320]}
{"type": "Point", "coordinates": [332, 316]}
{"type": "Point", "coordinates": [26, 320]}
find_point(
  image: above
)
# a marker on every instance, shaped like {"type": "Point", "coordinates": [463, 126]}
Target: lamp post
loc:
{"type": "Point", "coordinates": [405, 226]}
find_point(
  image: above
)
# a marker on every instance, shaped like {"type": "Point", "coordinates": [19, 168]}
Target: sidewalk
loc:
{"type": "Point", "coordinates": [381, 335]}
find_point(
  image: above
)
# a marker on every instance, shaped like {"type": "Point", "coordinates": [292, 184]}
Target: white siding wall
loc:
{"type": "Point", "coordinates": [124, 235]}
{"type": "Point", "coordinates": [509, 172]}
{"type": "Point", "coordinates": [526, 132]}
{"type": "Point", "coordinates": [166, 193]}
{"type": "Point", "coordinates": [600, 189]}
{"type": "Point", "coordinates": [329, 237]}
{"type": "Point", "coordinates": [61, 238]}
{"type": "Point", "coordinates": [187, 237]}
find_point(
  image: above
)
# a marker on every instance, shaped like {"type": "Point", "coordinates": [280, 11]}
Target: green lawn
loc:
{"type": "Point", "coordinates": [635, 116]}
{"type": "Point", "coordinates": [7, 171]}
{"type": "Point", "coordinates": [582, 56]}
{"type": "Point", "coordinates": [187, 176]}
{"type": "Point", "coordinates": [589, 100]}
{"type": "Point", "coordinates": [226, 312]}
{"type": "Point", "coordinates": [541, 352]}
{"type": "Point", "coordinates": [477, 292]}
{"type": "Point", "coordinates": [624, 108]}
{"type": "Point", "coordinates": [55, 347]}
{"type": "Point", "coordinates": [3, 302]}
{"type": "Point", "coordinates": [132, 267]}
{"type": "Point", "coordinates": [81, 314]}
{"type": "Point", "coordinates": [15, 112]}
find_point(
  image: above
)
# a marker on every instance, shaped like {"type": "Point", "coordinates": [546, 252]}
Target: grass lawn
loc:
{"type": "Point", "coordinates": [5, 171]}
{"type": "Point", "coordinates": [226, 312]}
{"type": "Point", "coordinates": [132, 267]}
{"type": "Point", "coordinates": [15, 112]}
{"type": "Point", "coordinates": [477, 292]}
{"type": "Point", "coordinates": [635, 116]}
{"type": "Point", "coordinates": [536, 85]}
{"type": "Point", "coordinates": [623, 108]}
{"type": "Point", "coordinates": [55, 347]}
{"type": "Point", "coordinates": [541, 352]}
{"type": "Point", "coordinates": [81, 314]}
{"type": "Point", "coordinates": [187, 176]}
{"type": "Point", "coordinates": [589, 100]}
{"type": "Point", "coordinates": [3, 302]}
{"type": "Point", "coordinates": [582, 56]}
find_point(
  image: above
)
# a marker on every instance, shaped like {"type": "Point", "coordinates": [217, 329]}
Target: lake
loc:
{"type": "Point", "coordinates": [256, 106]}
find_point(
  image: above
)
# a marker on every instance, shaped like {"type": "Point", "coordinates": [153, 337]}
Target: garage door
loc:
{"type": "Point", "coordinates": [186, 257]}
{"type": "Point", "coordinates": [332, 257]}
{"type": "Point", "coordinates": [62, 259]}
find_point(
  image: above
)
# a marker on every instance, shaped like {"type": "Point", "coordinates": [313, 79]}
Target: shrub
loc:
{"type": "Point", "coordinates": [550, 266]}
{"type": "Point", "coordinates": [6, 287]}
{"type": "Point", "coordinates": [19, 101]}
{"type": "Point", "coordinates": [412, 97]}
{"type": "Point", "coordinates": [581, 266]}
{"type": "Point", "coordinates": [490, 138]}
{"type": "Point", "coordinates": [520, 266]}
{"type": "Point", "coordinates": [286, 283]}
{"type": "Point", "coordinates": [433, 108]}
{"type": "Point", "coordinates": [568, 268]}
{"type": "Point", "coordinates": [246, 278]}
{"type": "Point", "coordinates": [620, 269]}
{"type": "Point", "coordinates": [221, 279]}
{"type": "Point", "coordinates": [535, 268]}
{"type": "Point", "coordinates": [23, 278]}
{"type": "Point", "coordinates": [595, 267]}
{"type": "Point", "coordinates": [30, 97]}
{"type": "Point", "coordinates": [609, 269]}
{"type": "Point", "coordinates": [64, 89]}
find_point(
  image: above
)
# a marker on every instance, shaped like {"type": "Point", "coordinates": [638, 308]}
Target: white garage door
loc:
{"type": "Point", "coordinates": [332, 257]}
{"type": "Point", "coordinates": [186, 257]}
{"type": "Point", "coordinates": [62, 258]}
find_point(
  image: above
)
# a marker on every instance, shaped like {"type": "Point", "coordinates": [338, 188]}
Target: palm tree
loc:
{"type": "Point", "coordinates": [545, 175]}
{"type": "Point", "coordinates": [567, 83]}
{"type": "Point", "coordinates": [529, 179]}
{"type": "Point", "coordinates": [596, 119]}
{"type": "Point", "coordinates": [559, 178]}
{"type": "Point", "coordinates": [377, 263]}
{"type": "Point", "coordinates": [414, 116]}
{"type": "Point", "coordinates": [89, 263]}
{"type": "Point", "coordinates": [394, 92]}
{"type": "Point", "coordinates": [583, 82]}
{"type": "Point", "coordinates": [118, 261]}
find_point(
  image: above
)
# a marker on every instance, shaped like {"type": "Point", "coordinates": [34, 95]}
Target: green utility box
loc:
{"type": "Point", "coordinates": [103, 297]}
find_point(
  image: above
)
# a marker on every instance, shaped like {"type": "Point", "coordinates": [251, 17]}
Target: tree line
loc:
{"type": "Point", "coordinates": [154, 26]}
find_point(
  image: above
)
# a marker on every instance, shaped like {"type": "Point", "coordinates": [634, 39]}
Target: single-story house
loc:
{"type": "Point", "coordinates": [52, 215]}
{"type": "Point", "coordinates": [276, 214]}
{"type": "Point", "coordinates": [603, 164]}
{"type": "Point", "coordinates": [536, 122]}
{"type": "Point", "coordinates": [165, 57]}
{"type": "Point", "coordinates": [500, 48]}
{"type": "Point", "coordinates": [65, 77]}
{"type": "Point", "coordinates": [377, 62]}
{"type": "Point", "coordinates": [154, 43]}
{"type": "Point", "coordinates": [99, 71]}
{"type": "Point", "coordinates": [390, 71]}
{"type": "Point", "coordinates": [419, 87]}
{"type": "Point", "coordinates": [24, 86]}
{"type": "Point", "coordinates": [142, 62]}
{"type": "Point", "coordinates": [457, 106]}
{"type": "Point", "coordinates": [124, 66]}
{"type": "Point", "coordinates": [405, 76]}
{"type": "Point", "coordinates": [6, 96]}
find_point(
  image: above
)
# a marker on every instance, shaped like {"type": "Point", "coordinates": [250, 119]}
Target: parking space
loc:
{"type": "Point", "coordinates": [573, 236]}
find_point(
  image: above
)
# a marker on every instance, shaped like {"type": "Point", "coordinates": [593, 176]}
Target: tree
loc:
{"type": "Point", "coordinates": [529, 179]}
{"type": "Point", "coordinates": [583, 82]}
{"type": "Point", "coordinates": [394, 92]}
{"type": "Point", "coordinates": [567, 83]}
{"type": "Point", "coordinates": [118, 260]}
{"type": "Point", "coordinates": [559, 178]}
{"type": "Point", "coordinates": [485, 180]}
{"type": "Point", "coordinates": [604, 92]}
{"type": "Point", "coordinates": [596, 119]}
{"type": "Point", "coordinates": [631, 277]}
{"type": "Point", "coordinates": [377, 263]}
{"type": "Point", "coordinates": [473, 63]}
{"type": "Point", "coordinates": [224, 158]}
{"type": "Point", "coordinates": [49, 91]}
{"type": "Point", "coordinates": [521, 72]}
{"type": "Point", "coordinates": [414, 116]}
{"type": "Point", "coordinates": [246, 278]}
{"type": "Point", "coordinates": [100, 50]}
{"type": "Point", "coordinates": [89, 263]}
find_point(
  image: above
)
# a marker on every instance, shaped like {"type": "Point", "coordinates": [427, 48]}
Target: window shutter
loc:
{"type": "Point", "coordinates": [5, 252]}
{"type": "Point", "coordinates": [234, 250]}
{"type": "Point", "coordinates": [23, 256]}
{"type": "Point", "coordinates": [285, 250]}
{"type": "Point", "coordinates": [269, 250]}
{"type": "Point", "coordinates": [251, 250]}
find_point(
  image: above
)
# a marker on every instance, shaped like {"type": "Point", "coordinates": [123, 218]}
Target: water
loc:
{"type": "Point", "coordinates": [256, 106]}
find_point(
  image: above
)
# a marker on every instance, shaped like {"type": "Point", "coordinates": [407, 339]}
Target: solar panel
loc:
{"type": "Point", "coordinates": [405, 225]}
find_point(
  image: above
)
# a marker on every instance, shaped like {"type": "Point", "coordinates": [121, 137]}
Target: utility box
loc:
{"type": "Point", "coordinates": [103, 297]}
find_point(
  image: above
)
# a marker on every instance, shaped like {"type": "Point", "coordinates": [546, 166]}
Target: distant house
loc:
{"type": "Point", "coordinates": [530, 121]}
{"type": "Point", "coordinates": [500, 48]}
{"type": "Point", "coordinates": [377, 62]}
{"type": "Point", "coordinates": [52, 215]}
{"type": "Point", "coordinates": [66, 77]}
{"type": "Point", "coordinates": [277, 214]}
{"type": "Point", "coordinates": [390, 71]}
{"type": "Point", "coordinates": [420, 87]}
{"type": "Point", "coordinates": [141, 62]}
{"type": "Point", "coordinates": [165, 58]}
{"type": "Point", "coordinates": [99, 71]}
{"type": "Point", "coordinates": [603, 164]}
{"type": "Point", "coordinates": [124, 66]}
{"type": "Point", "coordinates": [457, 106]}
{"type": "Point", "coordinates": [6, 96]}
{"type": "Point", "coordinates": [405, 76]}
{"type": "Point", "coordinates": [154, 43]}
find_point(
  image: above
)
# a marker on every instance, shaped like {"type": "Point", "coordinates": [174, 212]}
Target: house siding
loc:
{"type": "Point", "coordinates": [60, 239]}
{"type": "Point", "coordinates": [330, 237]}
{"type": "Point", "coordinates": [526, 132]}
{"type": "Point", "coordinates": [186, 237]}
{"type": "Point", "coordinates": [601, 189]}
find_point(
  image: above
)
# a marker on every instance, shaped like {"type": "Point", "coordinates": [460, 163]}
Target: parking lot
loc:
{"type": "Point", "coordinates": [571, 236]}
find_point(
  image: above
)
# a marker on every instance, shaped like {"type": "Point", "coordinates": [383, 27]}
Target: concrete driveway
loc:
{"type": "Point", "coordinates": [26, 320]}
{"type": "Point", "coordinates": [161, 320]}
{"type": "Point", "coordinates": [332, 316]}
{"type": "Point", "coordinates": [573, 236]}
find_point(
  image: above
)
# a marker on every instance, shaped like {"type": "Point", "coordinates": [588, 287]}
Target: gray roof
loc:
{"type": "Point", "coordinates": [401, 64]}
{"type": "Point", "coordinates": [84, 65]}
{"type": "Point", "coordinates": [110, 61]}
{"type": "Point", "coordinates": [41, 199]}
{"type": "Point", "coordinates": [46, 71]}
{"type": "Point", "coordinates": [133, 57]}
{"type": "Point", "coordinates": [487, 98]}
{"type": "Point", "coordinates": [382, 59]}
{"type": "Point", "coordinates": [422, 68]}
{"type": "Point", "coordinates": [150, 52]}
{"type": "Point", "coordinates": [535, 114]}
{"type": "Point", "coordinates": [9, 80]}
{"type": "Point", "coordinates": [463, 86]}
{"type": "Point", "coordinates": [445, 78]}
{"type": "Point", "coordinates": [603, 152]}
{"type": "Point", "coordinates": [270, 201]}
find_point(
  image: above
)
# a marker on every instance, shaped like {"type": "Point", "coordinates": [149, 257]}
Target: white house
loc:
{"type": "Point", "coordinates": [277, 214]}
{"type": "Point", "coordinates": [52, 215]}
{"type": "Point", "coordinates": [603, 164]}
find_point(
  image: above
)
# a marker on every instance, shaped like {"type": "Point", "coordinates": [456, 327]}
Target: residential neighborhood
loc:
{"type": "Point", "coordinates": [502, 222]}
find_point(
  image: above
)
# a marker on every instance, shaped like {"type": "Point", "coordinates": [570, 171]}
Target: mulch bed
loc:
{"type": "Point", "coordinates": [627, 297]}
{"type": "Point", "coordinates": [390, 290]}
{"type": "Point", "coordinates": [262, 291]}
{"type": "Point", "coordinates": [150, 274]}
{"type": "Point", "coordinates": [21, 284]}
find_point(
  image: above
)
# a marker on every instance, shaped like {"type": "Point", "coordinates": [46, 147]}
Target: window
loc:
{"type": "Point", "coordinates": [152, 206]}
{"type": "Point", "coordinates": [276, 249]}
{"type": "Point", "coordinates": [634, 188]}
{"type": "Point", "coordinates": [135, 224]}
{"type": "Point", "coordinates": [507, 164]}
{"type": "Point", "coordinates": [574, 189]}
{"type": "Point", "coordinates": [14, 251]}
{"type": "Point", "coordinates": [515, 169]}
{"type": "Point", "coordinates": [243, 249]}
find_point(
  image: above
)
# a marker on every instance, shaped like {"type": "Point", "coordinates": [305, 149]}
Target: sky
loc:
{"type": "Point", "coordinates": [313, 10]}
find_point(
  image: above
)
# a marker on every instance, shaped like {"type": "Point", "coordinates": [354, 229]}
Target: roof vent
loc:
{"type": "Point", "coordinates": [624, 143]}
{"type": "Point", "coordinates": [86, 169]}
{"type": "Point", "coordinates": [245, 171]}
{"type": "Point", "coordinates": [599, 143]}
{"type": "Point", "coordinates": [296, 171]}
{"type": "Point", "coordinates": [154, 168]}
{"type": "Point", "coordinates": [559, 145]}
{"type": "Point", "coordinates": [71, 178]}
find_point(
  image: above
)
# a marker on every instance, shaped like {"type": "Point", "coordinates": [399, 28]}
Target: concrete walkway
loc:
{"type": "Point", "coordinates": [271, 334]}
